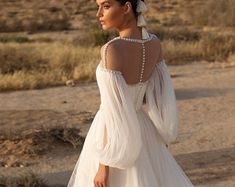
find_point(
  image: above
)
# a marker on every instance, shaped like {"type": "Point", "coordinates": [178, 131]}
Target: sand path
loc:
{"type": "Point", "coordinates": [205, 147]}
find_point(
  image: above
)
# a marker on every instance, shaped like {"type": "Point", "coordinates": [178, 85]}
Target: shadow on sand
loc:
{"type": "Point", "coordinates": [183, 94]}
{"type": "Point", "coordinates": [208, 166]}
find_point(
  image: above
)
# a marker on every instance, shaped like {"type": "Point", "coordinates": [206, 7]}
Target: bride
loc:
{"type": "Point", "coordinates": [126, 145]}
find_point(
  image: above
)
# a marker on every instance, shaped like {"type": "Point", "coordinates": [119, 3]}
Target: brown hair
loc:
{"type": "Point", "coordinates": [133, 4]}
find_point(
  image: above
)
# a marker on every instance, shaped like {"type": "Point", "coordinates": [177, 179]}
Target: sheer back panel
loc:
{"type": "Point", "coordinates": [130, 58]}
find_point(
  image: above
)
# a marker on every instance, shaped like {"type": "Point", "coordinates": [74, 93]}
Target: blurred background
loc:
{"type": "Point", "coordinates": [49, 51]}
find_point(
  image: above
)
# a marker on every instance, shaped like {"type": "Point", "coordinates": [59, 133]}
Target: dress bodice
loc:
{"type": "Point", "coordinates": [137, 93]}
{"type": "Point", "coordinates": [137, 90]}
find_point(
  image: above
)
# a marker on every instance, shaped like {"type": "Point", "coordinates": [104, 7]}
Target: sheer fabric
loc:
{"type": "Point", "coordinates": [161, 103]}
{"type": "Point", "coordinates": [135, 149]}
{"type": "Point", "coordinates": [130, 56]}
{"type": "Point", "coordinates": [120, 119]}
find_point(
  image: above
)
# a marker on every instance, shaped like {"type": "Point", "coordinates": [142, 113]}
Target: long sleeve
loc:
{"type": "Point", "coordinates": [119, 117]}
{"type": "Point", "coordinates": [161, 103]}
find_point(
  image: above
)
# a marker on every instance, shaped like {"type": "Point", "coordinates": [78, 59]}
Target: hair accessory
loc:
{"type": "Point", "coordinates": [141, 9]}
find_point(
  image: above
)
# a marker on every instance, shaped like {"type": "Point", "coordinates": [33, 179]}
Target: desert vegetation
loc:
{"type": "Point", "coordinates": [29, 60]}
{"type": "Point", "coordinates": [214, 13]}
{"type": "Point", "coordinates": [52, 43]}
{"type": "Point", "coordinates": [27, 179]}
{"type": "Point", "coordinates": [36, 65]}
{"type": "Point", "coordinates": [26, 64]}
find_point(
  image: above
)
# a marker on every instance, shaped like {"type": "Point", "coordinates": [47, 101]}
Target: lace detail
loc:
{"type": "Point", "coordinates": [160, 63]}
{"type": "Point", "coordinates": [109, 70]}
{"type": "Point", "coordinates": [137, 40]}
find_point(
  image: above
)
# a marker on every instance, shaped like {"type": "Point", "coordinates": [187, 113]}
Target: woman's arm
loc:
{"type": "Point", "coordinates": [103, 171]}
{"type": "Point", "coordinates": [105, 142]}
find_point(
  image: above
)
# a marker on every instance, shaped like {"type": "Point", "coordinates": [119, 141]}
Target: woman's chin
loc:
{"type": "Point", "coordinates": [104, 27]}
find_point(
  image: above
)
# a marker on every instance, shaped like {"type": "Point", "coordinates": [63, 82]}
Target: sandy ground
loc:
{"type": "Point", "coordinates": [205, 147]}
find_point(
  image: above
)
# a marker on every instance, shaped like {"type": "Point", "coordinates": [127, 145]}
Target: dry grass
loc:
{"type": "Point", "coordinates": [37, 65]}
{"type": "Point", "coordinates": [27, 63]}
{"type": "Point", "coordinates": [19, 150]}
{"type": "Point", "coordinates": [214, 13]}
{"type": "Point", "coordinates": [26, 179]}
{"type": "Point", "coordinates": [181, 52]}
{"type": "Point", "coordinates": [176, 34]}
{"type": "Point", "coordinates": [45, 21]}
{"type": "Point", "coordinates": [209, 48]}
{"type": "Point", "coordinates": [36, 137]}
{"type": "Point", "coordinates": [47, 15]}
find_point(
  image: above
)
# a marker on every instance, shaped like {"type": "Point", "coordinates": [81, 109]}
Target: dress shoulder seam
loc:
{"type": "Point", "coordinates": [105, 50]}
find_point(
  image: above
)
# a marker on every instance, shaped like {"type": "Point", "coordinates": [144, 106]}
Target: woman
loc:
{"type": "Point", "coordinates": [126, 143]}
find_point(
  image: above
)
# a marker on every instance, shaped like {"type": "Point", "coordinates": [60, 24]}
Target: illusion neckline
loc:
{"type": "Point", "coordinates": [135, 39]}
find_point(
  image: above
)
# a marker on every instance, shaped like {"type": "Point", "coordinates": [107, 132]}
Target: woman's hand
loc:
{"type": "Point", "coordinates": [101, 178]}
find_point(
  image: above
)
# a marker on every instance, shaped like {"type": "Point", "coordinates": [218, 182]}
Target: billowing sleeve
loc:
{"type": "Point", "coordinates": [161, 103]}
{"type": "Point", "coordinates": [119, 118]}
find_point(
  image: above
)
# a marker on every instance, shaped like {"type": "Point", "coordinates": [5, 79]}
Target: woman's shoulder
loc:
{"type": "Point", "coordinates": [118, 42]}
{"type": "Point", "coordinates": [112, 51]}
{"type": "Point", "coordinates": [114, 43]}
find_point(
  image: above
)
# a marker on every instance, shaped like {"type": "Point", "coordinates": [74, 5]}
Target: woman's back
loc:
{"type": "Point", "coordinates": [125, 146]}
{"type": "Point", "coordinates": [134, 58]}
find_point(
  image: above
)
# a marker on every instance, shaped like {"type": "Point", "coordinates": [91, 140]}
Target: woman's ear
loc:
{"type": "Point", "coordinates": [127, 7]}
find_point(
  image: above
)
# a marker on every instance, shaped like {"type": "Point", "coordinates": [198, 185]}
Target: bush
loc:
{"type": "Point", "coordinates": [27, 179]}
{"type": "Point", "coordinates": [217, 47]}
{"type": "Point", "coordinates": [37, 21]}
{"type": "Point", "coordinates": [13, 38]}
{"type": "Point", "coordinates": [214, 13]}
{"type": "Point", "coordinates": [181, 34]}
{"type": "Point", "coordinates": [38, 65]}
{"type": "Point", "coordinates": [14, 58]}
{"type": "Point", "coordinates": [94, 37]}
{"type": "Point", "coordinates": [211, 47]}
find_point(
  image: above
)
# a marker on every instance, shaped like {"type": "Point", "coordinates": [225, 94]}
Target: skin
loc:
{"type": "Point", "coordinates": [118, 17]}
{"type": "Point", "coordinates": [112, 15]}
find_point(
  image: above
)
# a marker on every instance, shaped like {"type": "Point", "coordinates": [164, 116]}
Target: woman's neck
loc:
{"type": "Point", "coordinates": [132, 31]}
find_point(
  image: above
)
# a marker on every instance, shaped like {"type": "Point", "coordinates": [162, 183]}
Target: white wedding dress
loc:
{"type": "Point", "coordinates": [136, 149]}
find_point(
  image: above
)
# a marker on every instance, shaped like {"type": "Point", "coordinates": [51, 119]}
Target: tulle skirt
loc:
{"type": "Point", "coordinates": [155, 166]}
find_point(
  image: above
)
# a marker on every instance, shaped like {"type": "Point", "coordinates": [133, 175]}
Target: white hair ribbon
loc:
{"type": "Point", "coordinates": [141, 9]}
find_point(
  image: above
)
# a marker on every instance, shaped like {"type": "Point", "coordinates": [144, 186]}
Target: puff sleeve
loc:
{"type": "Point", "coordinates": [161, 103]}
{"type": "Point", "coordinates": [119, 118]}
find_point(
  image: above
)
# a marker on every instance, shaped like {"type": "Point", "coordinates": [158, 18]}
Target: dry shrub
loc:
{"type": "Point", "coordinates": [94, 37]}
{"type": "Point", "coordinates": [37, 142]}
{"type": "Point", "coordinates": [15, 57]}
{"type": "Point", "coordinates": [26, 179]}
{"type": "Point", "coordinates": [217, 47]}
{"type": "Point", "coordinates": [22, 80]}
{"type": "Point", "coordinates": [231, 59]}
{"type": "Point", "coordinates": [54, 135]}
{"type": "Point", "coordinates": [13, 38]}
{"type": "Point", "coordinates": [211, 47]}
{"type": "Point", "coordinates": [180, 52]}
{"type": "Point", "coordinates": [37, 21]}
{"type": "Point", "coordinates": [47, 22]}
{"type": "Point", "coordinates": [214, 13]}
{"type": "Point", "coordinates": [37, 65]}
{"type": "Point", "coordinates": [176, 34]}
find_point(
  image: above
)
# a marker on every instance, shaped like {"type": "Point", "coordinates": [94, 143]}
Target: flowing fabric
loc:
{"type": "Point", "coordinates": [161, 103]}
{"type": "Point", "coordinates": [120, 119]}
{"type": "Point", "coordinates": [135, 149]}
